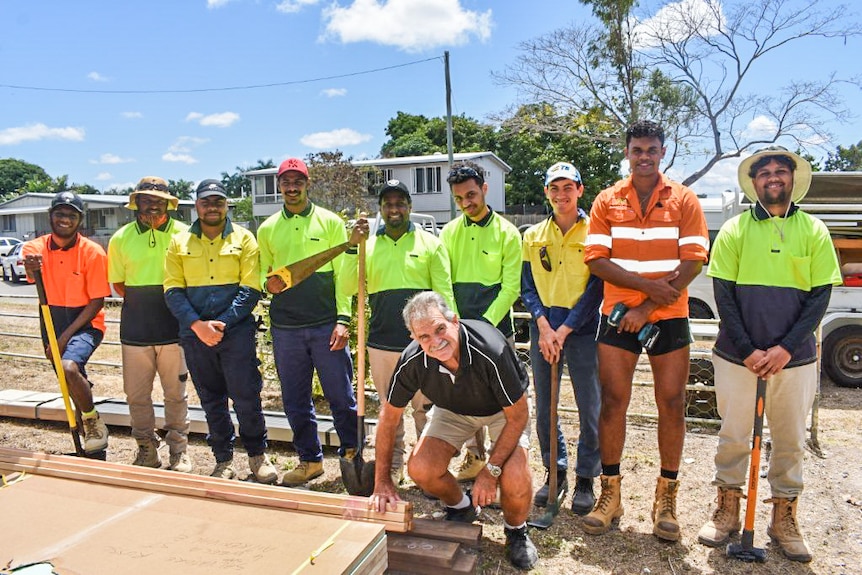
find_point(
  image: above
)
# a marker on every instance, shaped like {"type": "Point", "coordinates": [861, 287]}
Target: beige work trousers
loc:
{"type": "Point", "coordinates": [382, 364]}
{"type": "Point", "coordinates": [789, 397]}
{"type": "Point", "coordinates": [140, 366]}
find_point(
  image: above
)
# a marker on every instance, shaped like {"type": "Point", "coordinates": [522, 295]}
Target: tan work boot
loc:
{"type": "Point", "coordinates": [180, 462]}
{"type": "Point", "coordinates": [224, 470]}
{"type": "Point", "coordinates": [263, 470]}
{"type": "Point", "coordinates": [725, 518]}
{"type": "Point", "coordinates": [664, 523]}
{"type": "Point", "coordinates": [148, 454]}
{"type": "Point", "coordinates": [471, 465]}
{"type": "Point", "coordinates": [784, 530]}
{"type": "Point", "coordinates": [95, 433]}
{"type": "Point", "coordinates": [303, 473]}
{"type": "Point", "coordinates": [608, 508]}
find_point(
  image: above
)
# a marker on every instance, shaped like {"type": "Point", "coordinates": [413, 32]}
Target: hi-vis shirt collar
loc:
{"type": "Point", "coordinates": [196, 229]}
{"type": "Point", "coordinates": [304, 213]}
{"type": "Point", "coordinates": [481, 223]}
{"type": "Point", "coordinates": [142, 230]}
{"type": "Point", "coordinates": [759, 212]}
{"type": "Point", "coordinates": [52, 245]}
{"type": "Point", "coordinates": [381, 230]}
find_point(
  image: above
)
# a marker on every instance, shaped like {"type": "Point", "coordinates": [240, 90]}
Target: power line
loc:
{"type": "Point", "coordinates": [222, 89]}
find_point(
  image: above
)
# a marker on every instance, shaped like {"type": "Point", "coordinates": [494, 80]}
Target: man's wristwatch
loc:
{"type": "Point", "coordinates": [494, 470]}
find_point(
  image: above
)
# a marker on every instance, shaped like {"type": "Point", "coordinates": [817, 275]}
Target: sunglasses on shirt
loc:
{"type": "Point", "coordinates": [544, 258]}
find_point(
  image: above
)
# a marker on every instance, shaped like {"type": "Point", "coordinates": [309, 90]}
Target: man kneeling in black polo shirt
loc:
{"type": "Point", "coordinates": [470, 372]}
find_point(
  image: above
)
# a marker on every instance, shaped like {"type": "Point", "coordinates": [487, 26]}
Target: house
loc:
{"type": "Point", "coordinates": [26, 216]}
{"type": "Point", "coordinates": [425, 177]}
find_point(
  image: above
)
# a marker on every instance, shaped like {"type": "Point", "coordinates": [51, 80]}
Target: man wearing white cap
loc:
{"type": "Point", "coordinates": [563, 299]}
{"type": "Point", "coordinates": [773, 268]}
{"type": "Point", "coordinates": [149, 332]}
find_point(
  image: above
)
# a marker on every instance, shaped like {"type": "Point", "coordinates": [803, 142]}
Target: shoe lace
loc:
{"type": "Point", "coordinates": [605, 499]}
{"type": "Point", "coordinates": [468, 461]}
{"type": "Point", "coordinates": [667, 502]}
{"type": "Point", "coordinates": [723, 512]}
{"type": "Point", "coordinates": [91, 427]}
{"type": "Point", "coordinates": [786, 518]}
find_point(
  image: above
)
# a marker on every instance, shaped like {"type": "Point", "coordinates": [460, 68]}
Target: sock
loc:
{"type": "Point", "coordinates": [465, 503]}
{"type": "Point", "coordinates": [669, 474]}
{"type": "Point", "coordinates": [90, 414]}
{"type": "Point", "coordinates": [510, 528]}
{"type": "Point", "coordinates": [611, 469]}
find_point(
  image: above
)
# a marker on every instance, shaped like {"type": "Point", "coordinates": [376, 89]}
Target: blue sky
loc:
{"type": "Point", "coordinates": [113, 139]}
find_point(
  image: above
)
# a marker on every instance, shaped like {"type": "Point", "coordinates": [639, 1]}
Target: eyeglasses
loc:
{"type": "Point", "coordinates": [145, 186]}
{"type": "Point", "coordinates": [544, 258]}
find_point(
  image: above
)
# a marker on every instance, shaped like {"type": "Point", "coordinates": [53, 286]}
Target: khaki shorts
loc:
{"type": "Point", "coordinates": [456, 429]}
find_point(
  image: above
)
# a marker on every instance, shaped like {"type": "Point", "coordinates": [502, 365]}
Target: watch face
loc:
{"type": "Point", "coordinates": [495, 470]}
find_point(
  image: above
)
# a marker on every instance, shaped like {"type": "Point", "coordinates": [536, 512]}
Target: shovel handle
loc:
{"type": "Point", "coordinates": [554, 399]}
{"type": "Point", "coordinates": [754, 465]}
{"type": "Point", "coordinates": [360, 334]}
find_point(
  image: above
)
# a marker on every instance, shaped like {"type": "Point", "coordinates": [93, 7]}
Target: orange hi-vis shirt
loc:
{"type": "Point", "coordinates": [652, 243]}
{"type": "Point", "coordinates": [72, 277]}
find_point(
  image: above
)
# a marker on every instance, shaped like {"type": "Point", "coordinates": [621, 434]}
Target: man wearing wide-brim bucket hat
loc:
{"type": "Point", "coordinates": [149, 332]}
{"type": "Point", "coordinates": [773, 268]}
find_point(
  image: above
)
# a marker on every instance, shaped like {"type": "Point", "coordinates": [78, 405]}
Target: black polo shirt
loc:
{"type": "Point", "coordinates": [489, 377]}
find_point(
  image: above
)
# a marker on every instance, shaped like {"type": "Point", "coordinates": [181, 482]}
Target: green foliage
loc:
{"type": "Point", "coordinates": [416, 135]}
{"type": "Point", "coordinates": [335, 183]}
{"type": "Point", "coordinates": [237, 183]}
{"type": "Point", "coordinates": [181, 188]}
{"type": "Point", "coordinates": [845, 159]}
{"type": "Point", "coordinates": [14, 175]}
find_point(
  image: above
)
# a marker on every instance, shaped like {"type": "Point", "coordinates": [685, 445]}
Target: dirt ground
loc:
{"type": "Point", "coordinates": [830, 510]}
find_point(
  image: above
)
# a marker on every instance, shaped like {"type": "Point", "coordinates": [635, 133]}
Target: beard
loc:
{"type": "Point", "coordinates": [152, 220]}
{"type": "Point", "coordinates": [64, 233]}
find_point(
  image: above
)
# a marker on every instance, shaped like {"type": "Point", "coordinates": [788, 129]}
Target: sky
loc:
{"type": "Point", "coordinates": [138, 88]}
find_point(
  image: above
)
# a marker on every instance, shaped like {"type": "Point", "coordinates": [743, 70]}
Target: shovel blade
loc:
{"type": "Point", "coordinates": [357, 475]}
{"type": "Point", "coordinates": [551, 511]}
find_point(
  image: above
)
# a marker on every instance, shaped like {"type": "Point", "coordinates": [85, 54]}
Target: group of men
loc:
{"type": "Point", "coordinates": [600, 288]}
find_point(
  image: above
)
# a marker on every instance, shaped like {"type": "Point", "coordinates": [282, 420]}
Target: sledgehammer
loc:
{"type": "Point", "coordinates": [745, 549]}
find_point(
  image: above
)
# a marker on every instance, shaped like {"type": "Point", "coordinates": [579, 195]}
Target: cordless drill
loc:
{"type": "Point", "coordinates": [647, 335]}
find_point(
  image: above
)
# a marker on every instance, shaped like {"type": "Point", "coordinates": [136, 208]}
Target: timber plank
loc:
{"type": "Point", "coordinates": [463, 533]}
{"type": "Point", "coordinates": [433, 554]}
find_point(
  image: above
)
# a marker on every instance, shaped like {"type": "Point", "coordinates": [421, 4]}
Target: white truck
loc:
{"type": "Point", "coordinates": [835, 198]}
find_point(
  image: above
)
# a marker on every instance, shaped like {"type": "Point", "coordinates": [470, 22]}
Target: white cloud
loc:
{"type": "Point", "coordinates": [760, 127]}
{"type": "Point", "coordinates": [411, 25]}
{"type": "Point", "coordinates": [111, 159]}
{"type": "Point", "coordinates": [133, 115]}
{"type": "Point", "coordinates": [211, 4]}
{"type": "Point", "coordinates": [121, 186]}
{"type": "Point", "coordinates": [334, 92]}
{"type": "Point", "coordinates": [677, 20]}
{"type": "Point", "coordinates": [96, 77]}
{"type": "Point", "coordinates": [36, 132]}
{"type": "Point", "coordinates": [103, 176]}
{"type": "Point", "coordinates": [221, 120]}
{"type": "Point", "coordinates": [334, 139]}
{"type": "Point", "coordinates": [293, 6]}
{"type": "Point", "coordinates": [183, 158]}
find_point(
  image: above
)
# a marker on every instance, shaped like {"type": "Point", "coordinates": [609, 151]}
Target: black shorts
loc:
{"type": "Point", "coordinates": [675, 334]}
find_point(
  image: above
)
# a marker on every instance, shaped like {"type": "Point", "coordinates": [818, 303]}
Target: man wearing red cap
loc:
{"type": "Point", "coordinates": [309, 321]}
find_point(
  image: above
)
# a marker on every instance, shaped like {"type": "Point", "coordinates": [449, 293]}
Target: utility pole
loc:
{"type": "Point", "coordinates": [452, 209]}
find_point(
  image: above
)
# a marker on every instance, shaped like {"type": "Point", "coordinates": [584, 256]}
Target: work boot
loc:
{"type": "Point", "coordinates": [608, 507]}
{"type": "Point", "coordinates": [262, 469]}
{"type": "Point", "coordinates": [468, 514]}
{"type": "Point", "coordinates": [302, 473]}
{"type": "Point", "coordinates": [584, 499]}
{"type": "Point", "coordinates": [540, 499]}
{"type": "Point", "coordinates": [180, 462]}
{"type": "Point", "coordinates": [519, 549]}
{"type": "Point", "coordinates": [95, 433]}
{"type": "Point", "coordinates": [471, 465]}
{"type": "Point", "coordinates": [725, 518]}
{"type": "Point", "coordinates": [784, 529]}
{"type": "Point", "coordinates": [397, 475]}
{"type": "Point", "coordinates": [148, 454]}
{"type": "Point", "coordinates": [224, 470]}
{"type": "Point", "coordinates": [664, 523]}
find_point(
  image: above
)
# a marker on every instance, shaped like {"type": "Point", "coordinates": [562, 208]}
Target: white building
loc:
{"type": "Point", "coordinates": [425, 177]}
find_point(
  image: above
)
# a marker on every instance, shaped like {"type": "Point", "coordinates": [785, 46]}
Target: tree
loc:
{"type": "Point", "coordinates": [336, 184]}
{"type": "Point", "coordinates": [412, 135]}
{"type": "Point", "coordinates": [14, 175]}
{"type": "Point", "coordinates": [182, 189]}
{"type": "Point", "coordinates": [237, 184]}
{"type": "Point", "coordinates": [689, 68]}
{"type": "Point", "coordinates": [845, 159]}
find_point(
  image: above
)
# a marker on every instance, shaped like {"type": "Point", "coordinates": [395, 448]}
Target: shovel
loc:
{"type": "Point", "coordinates": [58, 361]}
{"type": "Point", "coordinates": [745, 549]}
{"type": "Point", "coordinates": [357, 475]}
{"type": "Point", "coordinates": [554, 498]}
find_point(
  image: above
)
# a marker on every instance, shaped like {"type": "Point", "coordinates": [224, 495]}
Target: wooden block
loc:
{"type": "Point", "coordinates": [466, 561]}
{"type": "Point", "coordinates": [463, 533]}
{"type": "Point", "coordinates": [432, 554]}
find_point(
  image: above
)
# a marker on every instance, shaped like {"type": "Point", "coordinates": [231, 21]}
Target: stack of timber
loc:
{"type": "Point", "coordinates": [86, 527]}
{"type": "Point", "coordinates": [435, 547]}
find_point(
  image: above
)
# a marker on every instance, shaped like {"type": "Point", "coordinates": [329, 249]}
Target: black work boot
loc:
{"type": "Point", "coordinates": [541, 497]}
{"type": "Point", "coordinates": [519, 549]}
{"type": "Point", "coordinates": [584, 499]}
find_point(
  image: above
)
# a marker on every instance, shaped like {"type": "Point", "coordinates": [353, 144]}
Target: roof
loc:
{"type": "Point", "coordinates": [409, 160]}
{"type": "Point", "coordinates": [91, 201]}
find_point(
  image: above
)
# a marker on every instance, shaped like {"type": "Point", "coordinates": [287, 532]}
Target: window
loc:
{"type": "Point", "coordinates": [264, 189]}
{"type": "Point", "coordinates": [98, 219]}
{"type": "Point", "coordinates": [374, 180]}
{"type": "Point", "coordinates": [427, 180]}
{"type": "Point", "coordinates": [8, 223]}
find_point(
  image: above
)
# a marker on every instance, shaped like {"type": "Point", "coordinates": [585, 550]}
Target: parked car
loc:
{"type": "Point", "coordinates": [6, 245]}
{"type": "Point", "coordinates": [13, 264]}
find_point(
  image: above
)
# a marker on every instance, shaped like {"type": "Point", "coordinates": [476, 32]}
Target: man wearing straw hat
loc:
{"type": "Point", "coordinates": [149, 332]}
{"type": "Point", "coordinates": [773, 268]}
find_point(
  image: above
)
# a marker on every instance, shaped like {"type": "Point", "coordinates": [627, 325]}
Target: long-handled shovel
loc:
{"type": "Point", "coordinates": [357, 474]}
{"type": "Point", "coordinates": [58, 361]}
{"type": "Point", "coordinates": [554, 498]}
{"type": "Point", "coordinates": [745, 549]}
